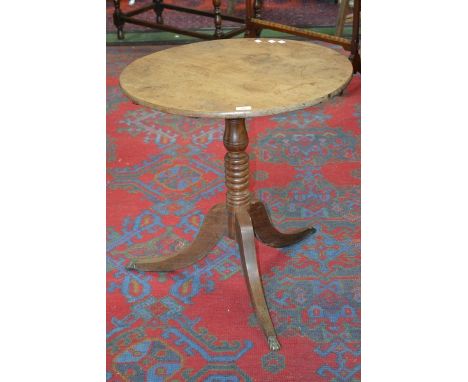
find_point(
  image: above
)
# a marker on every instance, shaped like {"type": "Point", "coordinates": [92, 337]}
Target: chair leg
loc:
{"type": "Point", "coordinates": [117, 20]}
{"type": "Point", "coordinates": [158, 9]}
{"type": "Point", "coordinates": [355, 56]}
{"type": "Point", "coordinates": [217, 19]}
{"type": "Point", "coordinates": [342, 11]}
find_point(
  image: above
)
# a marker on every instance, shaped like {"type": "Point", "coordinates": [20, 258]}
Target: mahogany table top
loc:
{"type": "Point", "coordinates": [236, 78]}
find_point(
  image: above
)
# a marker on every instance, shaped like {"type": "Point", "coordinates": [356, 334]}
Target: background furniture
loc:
{"type": "Point", "coordinates": [158, 6]}
{"type": "Point", "coordinates": [252, 25]}
{"type": "Point", "coordinates": [344, 16]}
{"type": "Point", "coordinates": [255, 24]}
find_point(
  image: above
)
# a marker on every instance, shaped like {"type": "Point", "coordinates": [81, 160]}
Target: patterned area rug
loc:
{"type": "Point", "coordinates": [291, 12]}
{"type": "Point", "coordinates": [197, 324]}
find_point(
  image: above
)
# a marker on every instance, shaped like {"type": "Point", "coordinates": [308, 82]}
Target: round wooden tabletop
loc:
{"type": "Point", "coordinates": [236, 78]}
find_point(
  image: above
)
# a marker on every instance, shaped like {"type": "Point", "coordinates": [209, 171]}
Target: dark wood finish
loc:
{"type": "Point", "coordinates": [211, 231]}
{"type": "Point", "coordinates": [250, 28]}
{"type": "Point", "coordinates": [158, 9]}
{"type": "Point", "coordinates": [202, 13]}
{"type": "Point", "coordinates": [256, 14]}
{"type": "Point", "coordinates": [118, 22]}
{"type": "Point", "coordinates": [258, 4]}
{"type": "Point", "coordinates": [165, 27]}
{"type": "Point", "coordinates": [217, 19]}
{"type": "Point", "coordinates": [246, 242]}
{"type": "Point", "coordinates": [236, 167]}
{"type": "Point", "coordinates": [158, 6]}
{"type": "Point", "coordinates": [240, 219]}
{"type": "Point", "coordinates": [234, 32]}
{"type": "Point", "coordinates": [139, 11]}
{"type": "Point", "coordinates": [268, 234]}
{"type": "Point", "coordinates": [355, 56]}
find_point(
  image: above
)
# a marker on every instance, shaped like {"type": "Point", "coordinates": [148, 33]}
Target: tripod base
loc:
{"type": "Point", "coordinates": [242, 218]}
{"type": "Point", "coordinates": [250, 222]}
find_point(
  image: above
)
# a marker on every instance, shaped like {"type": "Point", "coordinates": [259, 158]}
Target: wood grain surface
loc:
{"type": "Point", "coordinates": [236, 78]}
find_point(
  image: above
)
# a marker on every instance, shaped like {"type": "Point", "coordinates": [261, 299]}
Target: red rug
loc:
{"type": "Point", "coordinates": [197, 324]}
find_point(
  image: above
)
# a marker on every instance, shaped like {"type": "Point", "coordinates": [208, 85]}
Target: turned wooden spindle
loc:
{"type": "Point", "coordinates": [118, 22]}
{"type": "Point", "coordinates": [236, 167]}
{"type": "Point", "coordinates": [258, 9]}
{"type": "Point", "coordinates": [158, 9]}
{"type": "Point", "coordinates": [217, 18]}
{"type": "Point", "coordinates": [253, 10]}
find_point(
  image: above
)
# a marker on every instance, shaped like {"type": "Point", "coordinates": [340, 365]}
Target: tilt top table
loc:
{"type": "Point", "coordinates": [235, 79]}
